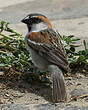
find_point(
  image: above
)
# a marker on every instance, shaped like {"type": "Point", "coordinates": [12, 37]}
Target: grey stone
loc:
{"type": "Point", "coordinates": [76, 108]}
{"type": "Point", "coordinates": [78, 92]}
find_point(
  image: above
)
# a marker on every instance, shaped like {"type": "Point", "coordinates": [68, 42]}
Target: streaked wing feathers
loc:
{"type": "Point", "coordinates": [51, 49]}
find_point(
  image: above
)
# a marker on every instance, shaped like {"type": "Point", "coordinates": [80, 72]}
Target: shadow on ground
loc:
{"type": "Point", "coordinates": [14, 91]}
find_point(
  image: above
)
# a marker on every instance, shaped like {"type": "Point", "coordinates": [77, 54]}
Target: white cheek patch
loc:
{"type": "Point", "coordinates": [38, 27]}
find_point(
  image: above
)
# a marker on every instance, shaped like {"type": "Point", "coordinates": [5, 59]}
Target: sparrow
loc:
{"type": "Point", "coordinates": [47, 52]}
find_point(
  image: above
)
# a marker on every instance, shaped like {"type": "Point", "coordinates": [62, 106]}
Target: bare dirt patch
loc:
{"type": "Point", "coordinates": [19, 91]}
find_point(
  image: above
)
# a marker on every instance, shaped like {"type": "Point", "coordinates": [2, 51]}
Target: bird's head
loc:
{"type": "Point", "coordinates": [36, 22]}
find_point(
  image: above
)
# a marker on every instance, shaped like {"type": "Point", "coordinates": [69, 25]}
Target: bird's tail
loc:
{"type": "Point", "coordinates": [59, 91]}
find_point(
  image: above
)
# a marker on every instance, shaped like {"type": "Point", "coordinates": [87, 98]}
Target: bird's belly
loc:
{"type": "Point", "coordinates": [38, 60]}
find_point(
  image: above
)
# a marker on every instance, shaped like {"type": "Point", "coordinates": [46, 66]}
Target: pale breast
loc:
{"type": "Point", "coordinates": [38, 60]}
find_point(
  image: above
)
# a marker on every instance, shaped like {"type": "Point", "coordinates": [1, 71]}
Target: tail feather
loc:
{"type": "Point", "coordinates": [59, 91]}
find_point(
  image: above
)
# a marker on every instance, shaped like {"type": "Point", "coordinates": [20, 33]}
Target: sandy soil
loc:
{"type": "Point", "coordinates": [19, 92]}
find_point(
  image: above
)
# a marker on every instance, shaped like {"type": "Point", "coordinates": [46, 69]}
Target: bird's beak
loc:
{"type": "Point", "coordinates": [23, 21]}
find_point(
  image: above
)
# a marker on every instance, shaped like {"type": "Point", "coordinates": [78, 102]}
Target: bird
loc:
{"type": "Point", "coordinates": [47, 52]}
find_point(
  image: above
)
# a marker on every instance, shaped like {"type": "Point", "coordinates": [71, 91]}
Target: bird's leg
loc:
{"type": "Point", "coordinates": [59, 91]}
{"type": "Point", "coordinates": [35, 73]}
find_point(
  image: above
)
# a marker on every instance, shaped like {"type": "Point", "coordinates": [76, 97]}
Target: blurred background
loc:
{"type": "Point", "coordinates": [67, 16]}
{"type": "Point", "coordinates": [14, 10]}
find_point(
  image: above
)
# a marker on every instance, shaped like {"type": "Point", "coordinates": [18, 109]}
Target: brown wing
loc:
{"type": "Point", "coordinates": [47, 43]}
